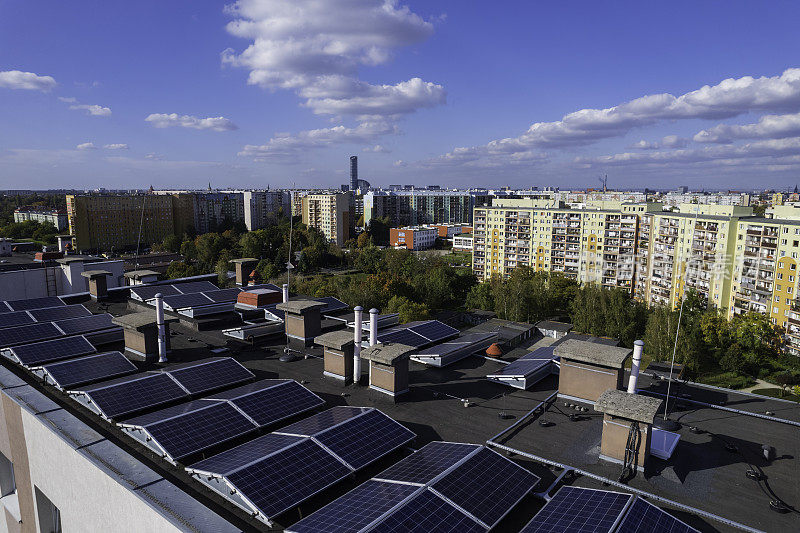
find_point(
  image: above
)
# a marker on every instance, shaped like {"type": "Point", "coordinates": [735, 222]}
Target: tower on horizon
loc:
{"type": "Point", "coordinates": [353, 172]}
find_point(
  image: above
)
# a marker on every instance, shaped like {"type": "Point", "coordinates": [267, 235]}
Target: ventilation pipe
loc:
{"type": "Point", "coordinates": [357, 334]}
{"type": "Point", "coordinates": [285, 292]}
{"type": "Point", "coordinates": [638, 348]}
{"type": "Point", "coordinates": [162, 334]}
{"type": "Point", "coordinates": [373, 327]}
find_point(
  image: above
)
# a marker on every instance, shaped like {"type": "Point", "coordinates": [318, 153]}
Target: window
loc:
{"type": "Point", "coordinates": [7, 484]}
{"type": "Point", "coordinates": [49, 515]}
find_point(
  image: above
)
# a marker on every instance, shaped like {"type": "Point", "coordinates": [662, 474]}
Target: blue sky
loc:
{"type": "Point", "coordinates": [256, 93]}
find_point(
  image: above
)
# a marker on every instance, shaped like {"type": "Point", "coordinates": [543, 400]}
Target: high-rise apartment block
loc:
{"type": "Point", "coordinates": [262, 208]}
{"type": "Point", "coordinates": [330, 213]}
{"type": "Point", "coordinates": [738, 262]}
{"type": "Point", "coordinates": [416, 207]}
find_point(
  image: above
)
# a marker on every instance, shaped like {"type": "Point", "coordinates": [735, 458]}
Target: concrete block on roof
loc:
{"type": "Point", "coordinates": [337, 340]}
{"type": "Point", "coordinates": [628, 406]}
{"type": "Point", "coordinates": [593, 353]}
{"type": "Point", "coordinates": [300, 307]}
{"type": "Point", "coordinates": [388, 353]}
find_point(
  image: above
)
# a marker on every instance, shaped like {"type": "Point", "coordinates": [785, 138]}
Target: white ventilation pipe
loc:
{"type": "Point", "coordinates": [357, 334]}
{"type": "Point", "coordinates": [162, 333]}
{"type": "Point", "coordinates": [285, 292]}
{"type": "Point", "coordinates": [638, 348]}
{"type": "Point", "coordinates": [373, 327]}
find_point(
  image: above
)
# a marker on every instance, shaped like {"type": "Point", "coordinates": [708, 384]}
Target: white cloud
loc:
{"type": "Point", "coordinates": [670, 141]}
{"type": "Point", "coordinates": [377, 149]}
{"type": "Point", "coordinates": [400, 163]}
{"type": "Point", "coordinates": [16, 79]}
{"type": "Point", "coordinates": [68, 99]}
{"type": "Point", "coordinates": [163, 120]}
{"type": "Point", "coordinates": [288, 147]}
{"type": "Point", "coordinates": [317, 47]}
{"type": "Point", "coordinates": [768, 127]}
{"type": "Point", "coordinates": [727, 99]}
{"type": "Point", "coordinates": [92, 109]}
{"type": "Point", "coordinates": [86, 146]}
{"type": "Point", "coordinates": [773, 148]}
{"type": "Point", "coordinates": [116, 146]}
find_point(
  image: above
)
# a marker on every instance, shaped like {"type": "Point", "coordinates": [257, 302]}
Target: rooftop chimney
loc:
{"type": "Point", "coordinates": [373, 327]}
{"type": "Point", "coordinates": [357, 334]}
{"type": "Point", "coordinates": [162, 334]}
{"type": "Point", "coordinates": [638, 348]}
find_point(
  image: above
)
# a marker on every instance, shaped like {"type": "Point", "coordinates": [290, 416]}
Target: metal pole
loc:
{"type": "Point", "coordinates": [357, 334]}
{"type": "Point", "coordinates": [162, 334]}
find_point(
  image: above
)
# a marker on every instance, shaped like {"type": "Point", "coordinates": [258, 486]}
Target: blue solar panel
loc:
{"type": "Point", "coordinates": [35, 303]}
{"type": "Point", "coordinates": [189, 432]}
{"type": "Point", "coordinates": [523, 367]}
{"type": "Point", "coordinates": [39, 331]}
{"type": "Point", "coordinates": [244, 454]}
{"type": "Point", "coordinates": [355, 510]}
{"type": "Point", "coordinates": [223, 295]}
{"type": "Point", "coordinates": [51, 314]}
{"type": "Point", "coordinates": [644, 517]}
{"type": "Point", "coordinates": [331, 304]}
{"type": "Point", "coordinates": [428, 513]}
{"type": "Point", "coordinates": [15, 318]}
{"type": "Point", "coordinates": [146, 292]}
{"type": "Point", "coordinates": [487, 485]}
{"type": "Point", "coordinates": [184, 301]}
{"type": "Point", "coordinates": [434, 330]}
{"type": "Point", "coordinates": [88, 369]}
{"type": "Point", "coordinates": [403, 336]}
{"type": "Point", "coordinates": [430, 461]}
{"type": "Point", "coordinates": [543, 353]}
{"type": "Point", "coordinates": [195, 286]}
{"type": "Point", "coordinates": [267, 402]}
{"type": "Point", "coordinates": [86, 324]}
{"type": "Point", "coordinates": [364, 439]}
{"type": "Point", "coordinates": [126, 396]}
{"type": "Point", "coordinates": [282, 481]}
{"type": "Point", "coordinates": [206, 376]}
{"type": "Point", "coordinates": [314, 424]}
{"type": "Point", "coordinates": [580, 510]}
{"type": "Point", "coordinates": [54, 350]}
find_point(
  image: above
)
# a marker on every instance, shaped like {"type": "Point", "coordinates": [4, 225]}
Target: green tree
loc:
{"type": "Point", "coordinates": [171, 243]}
{"type": "Point", "coordinates": [189, 250]}
{"type": "Point", "coordinates": [480, 297]}
{"type": "Point", "coordinates": [408, 310]}
{"type": "Point", "coordinates": [181, 269]}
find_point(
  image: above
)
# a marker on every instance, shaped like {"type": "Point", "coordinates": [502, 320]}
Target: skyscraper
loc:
{"type": "Point", "coordinates": [353, 172]}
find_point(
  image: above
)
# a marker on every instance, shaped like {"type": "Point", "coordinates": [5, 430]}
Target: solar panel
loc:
{"type": "Point", "coordinates": [428, 513]}
{"type": "Point", "coordinates": [51, 314]}
{"type": "Point", "coordinates": [523, 367]}
{"type": "Point", "coordinates": [86, 324]}
{"type": "Point", "coordinates": [357, 509]}
{"type": "Point", "coordinates": [262, 286]}
{"type": "Point", "coordinates": [206, 376]}
{"type": "Point", "coordinates": [4, 308]}
{"type": "Point", "coordinates": [15, 318]}
{"type": "Point", "coordinates": [184, 301]}
{"type": "Point", "coordinates": [486, 485]}
{"type": "Point", "coordinates": [185, 430]}
{"type": "Point", "coordinates": [126, 396]}
{"type": "Point", "coordinates": [244, 454]}
{"type": "Point", "coordinates": [283, 480]}
{"type": "Point", "coordinates": [425, 464]}
{"type": "Point", "coordinates": [39, 331]}
{"type": "Point", "coordinates": [195, 286]}
{"type": "Point", "coordinates": [366, 438]}
{"type": "Point", "coordinates": [403, 336]}
{"type": "Point", "coordinates": [332, 304]}
{"type": "Point", "coordinates": [88, 369]}
{"type": "Point", "coordinates": [54, 350]}
{"type": "Point", "coordinates": [223, 295]}
{"type": "Point", "coordinates": [146, 292]}
{"type": "Point", "coordinates": [308, 427]}
{"type": "Point", "coordinates": [643, 517]}
{"type": "Point", "coordinates": [434, 330]}
{"type": "Point", "coordinates": [457, 344]}
{"type": "Point", "coordinates": [35, 303]}
{"type": "Point", "coordinates": [269, 401]}
{"type": "Point", "coordinates": [545, 352]}
{"type": "Point", "coordinates": [580, 510]}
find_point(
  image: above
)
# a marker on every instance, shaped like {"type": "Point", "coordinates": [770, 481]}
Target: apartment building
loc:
{"type": "Point", "coordinates": [56, 217]}
{"type": "Point", "coordinates": [330, 213]}
{"type": "Point", "coordinates": [462, 243]}
{"type": "Point", "coordinates": [118, 222]}
{"type": "Point", "coordinates": [262, 208]}
{"type": "Point", "coordinates": [413, 238]}
{"type": "Point", "coordinates": [417, 207]}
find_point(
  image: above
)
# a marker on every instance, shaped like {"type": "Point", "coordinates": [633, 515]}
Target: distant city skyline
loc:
{"type": "Point", "coordinates": [281, 93]}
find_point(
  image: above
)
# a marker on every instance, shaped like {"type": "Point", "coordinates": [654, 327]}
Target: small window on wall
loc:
{"type": "Point", "coordinates": [49, 515]}
{"type": "Point", "coordinates": [7, 483]}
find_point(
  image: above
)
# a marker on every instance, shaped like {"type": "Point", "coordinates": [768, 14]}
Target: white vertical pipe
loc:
{"type": "Point", "coordinates": [285, 292]}
{"type": "Point", "coordinates": [638, 348]}
{"type": "Point", "coordinates": [373, 327]}
{"type": "Point", "coordinates": [162, 333]}
{"type": "Point", "coordinates": [357, 334]}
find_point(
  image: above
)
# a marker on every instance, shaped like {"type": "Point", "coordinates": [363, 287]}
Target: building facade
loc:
{"type": "Point", "coordinates": [262, 208]}
{"type": "Point", "coordinates": [330, 213]}
{"type": "Point", "coordinates": [416, 207]}
{"type": "Point", "coordinates": [413, 238]}
{"type": "Point", "coordinates": [56, 217]}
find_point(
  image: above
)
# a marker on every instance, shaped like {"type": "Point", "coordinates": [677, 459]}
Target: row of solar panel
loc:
{"type": "Point", "coordinates": [454, 350]}
{"type": "Point", "coordinates": [442, 487]}
{"type": "Point", "coordinates": [8, 306]}
{"type": "Point", "coordinates": [332, 305]}
{"type": "Point", "coordinates": [418, 334]}
{"type": "Point", "coordinates": [43, 331]}
{"type": "Point", "coordinates": [600, 511]}
{"type": "Point", "coordinates": [529, 363]}
{"type": "Point", "coordinates": [214, 293]}
{"type": "Point", "coordinates": [47, 314]}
